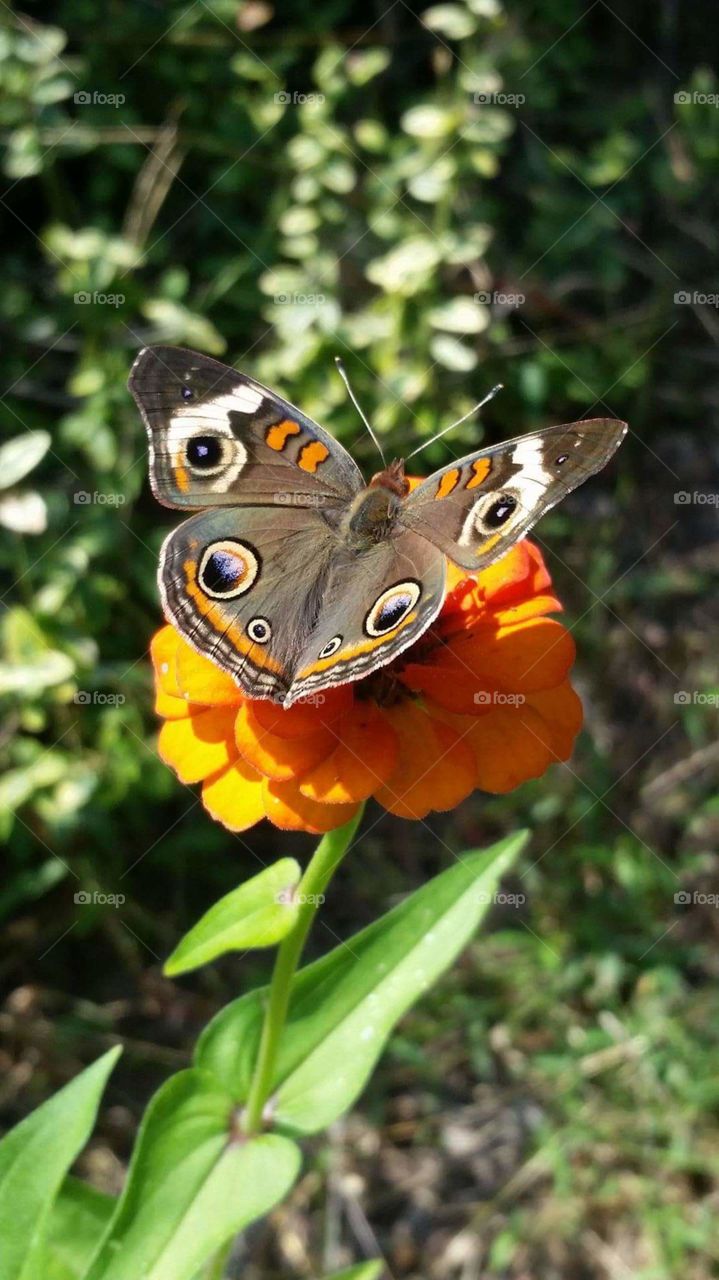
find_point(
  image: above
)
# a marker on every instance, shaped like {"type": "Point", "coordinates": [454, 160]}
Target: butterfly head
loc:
{"type": "Point", "coordinates": [392, 478]}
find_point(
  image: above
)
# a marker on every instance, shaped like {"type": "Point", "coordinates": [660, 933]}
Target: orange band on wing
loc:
{"type": "Point", "coordinates": [280, 433]}
{"type": "Point", "coordinates": [367, 646]}
{"type": "Point", "coordinates": [481, 469]}
{"type": "Point", "coordinates": [448, 483]}
{"type": "Point", "coordinates": [311, 455]}
{"type": "Point", "coordinates": [214, 615]}
{"type": "Point", "coordinates": [182, 480]}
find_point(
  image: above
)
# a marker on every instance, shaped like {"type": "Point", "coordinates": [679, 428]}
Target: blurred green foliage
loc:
{"type": "Point", "coordinates": [470, 194]}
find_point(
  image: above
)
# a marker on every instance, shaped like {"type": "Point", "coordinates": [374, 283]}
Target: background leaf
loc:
{"type": "Point", "coordinates": [34, 1158]}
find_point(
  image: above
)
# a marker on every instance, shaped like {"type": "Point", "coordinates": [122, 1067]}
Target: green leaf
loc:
{"type": "Point", "coordinates": [79, 1217]}
{"type": "Point", "coordinates": [344, 1006]}
{"type": "Point", "coordinates": [258, 914]}
{"type": "Point", "coordinates": [362, 1271]}
{"type": "Point", "coordinates": [19, 456]}
{"type": "Point", "coordinates": [193, 1182]}
{"type": "Point", "coordinates": [34, 1158]}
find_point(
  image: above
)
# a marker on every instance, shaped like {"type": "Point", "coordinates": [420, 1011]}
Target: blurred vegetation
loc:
{"type": "Point", "coordinates": [448, 198]}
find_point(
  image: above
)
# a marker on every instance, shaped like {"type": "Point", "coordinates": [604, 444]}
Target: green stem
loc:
{"type": "Point", "coordinates": [320, 869]}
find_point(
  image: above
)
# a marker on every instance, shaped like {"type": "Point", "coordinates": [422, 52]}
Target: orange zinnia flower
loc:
{"type": "Point", "coordinates": [482, 700]}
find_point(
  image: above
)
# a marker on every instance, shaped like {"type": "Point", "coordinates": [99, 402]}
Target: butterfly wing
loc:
{"type": "Point", "coordinates": [219, 438]}
{"type": "Point", "coordinates": [374, 604]}
{"type": "Point", "coordinates": [244, 587]}
{"type": "Point", "coordinates": [475, 509]}
{"type": "Point", "coordinates": [285, 608]}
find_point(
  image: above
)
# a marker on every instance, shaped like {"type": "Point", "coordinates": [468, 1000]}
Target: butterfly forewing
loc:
{"type": "Point", "coordinates": [218, 437]}
{"type": "Point", "coordinates": [476, 508]}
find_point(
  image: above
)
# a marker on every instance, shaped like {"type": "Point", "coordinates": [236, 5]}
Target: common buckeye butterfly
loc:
{"type": "Point", "coordinates": [295, 574]}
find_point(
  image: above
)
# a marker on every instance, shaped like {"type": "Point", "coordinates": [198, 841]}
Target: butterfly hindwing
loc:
{"type": "Point", "coordinates": [476, 508]}
{"type": "Point", "coordinates": [373, 607]}
{"type": "Point", "coordinates": [218, 437]}
{"type": "Point", "coordinates": [244, 587]}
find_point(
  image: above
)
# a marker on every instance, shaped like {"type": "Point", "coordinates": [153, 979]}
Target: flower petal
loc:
{"type": "Point", "coordinates": [201, 681]}
{"type": "Point", "coordinates": [171, 708]}
{"type": "Point", "coordinates": [234, 796]}
{"type": "Point", "coordinates": [163, 649]}
{"type": "Point", "coordinates": [520, 573]}
{"type": "Point", "coordinates": [303, 717]}
{"type": "Point", "coordinates": [285, 805]}
{"type": "Point", "coordinates": [435, 768]}
{"type": "Point", "coordinates": [198, 745]}
{"type": "Point", "coordinates": [513, 744]}
{"type": "Point", "coordinates": [277, 757]}
{"type": "Point", "coordinates": [562, 713]}
{"type": "Point", "coordinates": [362, 760]}
{"type": "Point", "coordinates": [530, 655]}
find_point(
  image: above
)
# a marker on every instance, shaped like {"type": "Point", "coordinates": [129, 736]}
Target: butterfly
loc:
{"type": "Point", "coordinates": [294, 574]}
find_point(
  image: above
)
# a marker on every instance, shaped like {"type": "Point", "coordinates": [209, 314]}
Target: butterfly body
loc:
{"type": "Point", "coordinates": [295, 574]}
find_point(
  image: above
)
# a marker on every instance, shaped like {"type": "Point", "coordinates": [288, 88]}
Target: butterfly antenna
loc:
{"type": "Point", "coordinates": [343, 375]}
{"type": "Point", "coordinates": [475, 409]}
